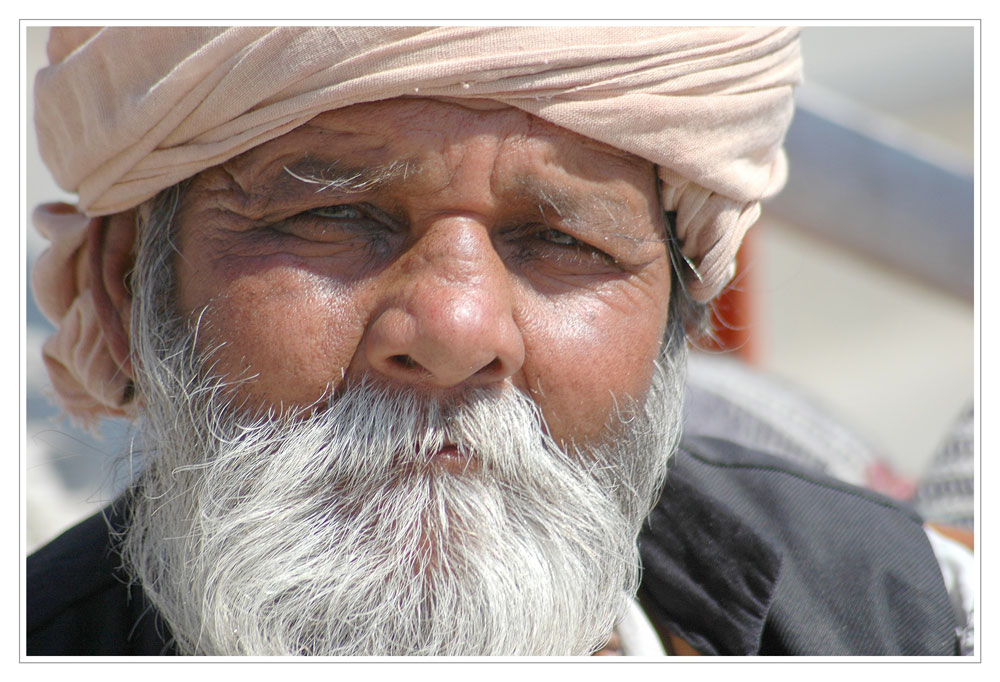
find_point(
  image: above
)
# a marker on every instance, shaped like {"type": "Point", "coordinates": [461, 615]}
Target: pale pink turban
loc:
{"type": "Point", "coordinates": [123, 113]}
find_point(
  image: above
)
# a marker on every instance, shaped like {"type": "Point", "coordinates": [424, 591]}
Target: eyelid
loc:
{"type": "Point", "coordinates": [578, 245]}
{"type": "Point", "coordinates": [573, 240]}
{"type": "Point", "coordinates": [365, 209]}
{"type": "Point", "coordinates": [537, 230]}
{"type": "Point", "coordinates": [318, 210]}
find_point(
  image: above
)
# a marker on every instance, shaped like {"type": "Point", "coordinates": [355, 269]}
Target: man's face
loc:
{"type": "Point", "coordinates": [432, 246]}
{"type": "Point", "coordinates": [486, 296]}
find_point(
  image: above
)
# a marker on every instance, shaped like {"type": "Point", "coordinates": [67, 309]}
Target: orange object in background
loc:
{"type": "Point", "coordinates": [737, 329]}
{"type": "Point", "coordinates": [735, 311]}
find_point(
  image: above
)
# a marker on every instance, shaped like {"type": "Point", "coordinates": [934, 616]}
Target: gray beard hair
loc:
{"type": "Point", "coordinates": [334, 533]}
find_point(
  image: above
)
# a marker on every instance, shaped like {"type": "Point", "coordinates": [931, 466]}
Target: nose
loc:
{"type": "Point", "coordinates": [448, 319]}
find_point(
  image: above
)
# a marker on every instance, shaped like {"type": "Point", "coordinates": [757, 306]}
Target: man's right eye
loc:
{"type": "Point", "coordinates": [338, 224]}
{"type": "Point", "coordinates": [341, 212]}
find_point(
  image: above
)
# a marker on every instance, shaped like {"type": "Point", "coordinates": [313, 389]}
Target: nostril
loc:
{"type": "Point", "coordinates": [404, 361]}
{"type": "Point", "coordinates": [492, 368]}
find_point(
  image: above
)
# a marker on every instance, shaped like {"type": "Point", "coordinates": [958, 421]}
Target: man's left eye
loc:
{"type": "Point", "coordinates": [543, 244]}
{"type": "Point", "coordinates": [558, 237]}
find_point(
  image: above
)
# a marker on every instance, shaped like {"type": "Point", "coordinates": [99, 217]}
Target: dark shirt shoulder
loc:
{"type": "Point", "coordinates": [79, 601]}
{"type": "Point", "coordinates": [748, 553]}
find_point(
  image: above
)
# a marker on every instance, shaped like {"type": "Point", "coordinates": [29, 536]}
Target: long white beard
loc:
{"type": "Point", "coordinates": [336, 534]}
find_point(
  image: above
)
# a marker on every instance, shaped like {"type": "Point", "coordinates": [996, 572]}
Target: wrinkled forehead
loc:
{"type": "Point", "coordinates": [429, 145]}
{"type": "Point", "coordinates": [408, 128]}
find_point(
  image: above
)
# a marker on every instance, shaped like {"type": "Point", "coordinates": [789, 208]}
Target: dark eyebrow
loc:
{"type": "Point", "coordinates": [569, 206]}
{"type": "Point", "coordinates": [548, 197]}
{"type": "Point", "coordinates": [332, 175]}
{"type": "Point", "coordinates": [572, 208]}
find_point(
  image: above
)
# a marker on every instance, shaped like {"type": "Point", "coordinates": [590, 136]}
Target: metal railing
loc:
{"type": "Point", "coordinates": [867, 183]}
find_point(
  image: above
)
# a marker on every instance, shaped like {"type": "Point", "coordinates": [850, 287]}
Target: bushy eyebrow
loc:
{"type": "Point", "coordinates": [548, 198]}
{"type": "Point", "coordinates": [574, 209]}
{"type": "Point", "coordinates": [332, 175]}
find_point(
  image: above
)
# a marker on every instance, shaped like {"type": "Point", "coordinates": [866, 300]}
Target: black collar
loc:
{"type": "Point", "coordinates": [707, 575]}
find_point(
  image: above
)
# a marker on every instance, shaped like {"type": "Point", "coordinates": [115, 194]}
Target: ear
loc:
{"type": "Point", "coordinates": [111, 244]}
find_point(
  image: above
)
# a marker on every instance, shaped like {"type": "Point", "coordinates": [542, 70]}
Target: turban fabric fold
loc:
{"type": "Point", "coordinates": [124, 112]}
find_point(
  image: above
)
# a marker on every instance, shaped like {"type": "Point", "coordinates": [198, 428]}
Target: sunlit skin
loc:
{"type": "Point", "coordinates": [494, 249]}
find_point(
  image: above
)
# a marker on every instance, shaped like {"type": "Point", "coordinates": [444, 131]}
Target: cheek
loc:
{"type": "Point", "coordinates": [288, 332]}
{"type": "Point", "coordinates": [587, 355]}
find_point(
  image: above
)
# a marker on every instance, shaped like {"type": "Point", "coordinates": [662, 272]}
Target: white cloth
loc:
{"type": "Point", "coordinates": [958, 568]}
{"type": "Point", "coordinates": [637, 635]}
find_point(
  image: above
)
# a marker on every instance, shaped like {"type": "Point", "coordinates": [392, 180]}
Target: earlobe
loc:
{"type": "Point", "coordinates": [111, 241]}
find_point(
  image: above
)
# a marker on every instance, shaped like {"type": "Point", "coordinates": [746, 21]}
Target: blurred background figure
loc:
{"type": "Point", "coordinates": [855, 288]}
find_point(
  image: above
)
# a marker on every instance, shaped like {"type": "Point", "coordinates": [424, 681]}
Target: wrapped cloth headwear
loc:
{"type": "Point", "coordinates": [123, 113]}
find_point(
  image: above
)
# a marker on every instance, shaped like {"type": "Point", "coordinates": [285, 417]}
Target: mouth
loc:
{"type": "Point", "coordinates": [453, 459]}
{"type": "Point", "coordinates": [449, 458]}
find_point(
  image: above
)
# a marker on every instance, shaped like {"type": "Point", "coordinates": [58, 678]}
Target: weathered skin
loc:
{"type": "Point", "coordinates": [498, 250]}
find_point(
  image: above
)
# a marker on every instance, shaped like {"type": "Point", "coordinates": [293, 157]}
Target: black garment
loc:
{"type": "Point", "coordinates": [748, 554]}
{"type": "Point", "coordinates": [745, 554]}
{"type": "Point", "coordinates": [79, 602]}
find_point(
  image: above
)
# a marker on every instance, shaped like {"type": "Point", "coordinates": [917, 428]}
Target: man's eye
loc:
{"type": "Point", "coordinates": [558, 237]}
{"type": "Point", "coordinates": [342, 212]}
{"type": "Point", "coordinates": [542, 244]}
{"type": "Point", "coordinates": [340, 223]}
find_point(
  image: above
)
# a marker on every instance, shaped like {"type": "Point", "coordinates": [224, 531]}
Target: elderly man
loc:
{"type": "Point", "coordinates": [401, 314]}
